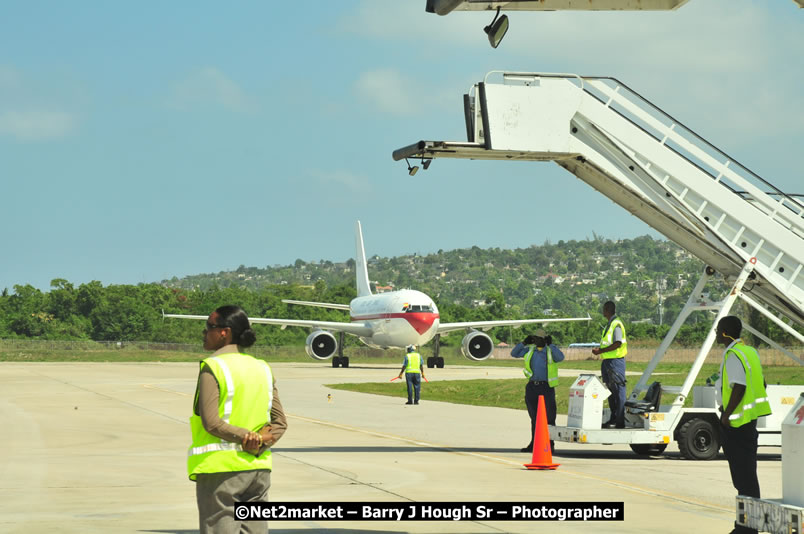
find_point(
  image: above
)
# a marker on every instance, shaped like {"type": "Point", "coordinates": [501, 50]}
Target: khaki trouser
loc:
{"type": "Point", "coordinates": [217, 493]}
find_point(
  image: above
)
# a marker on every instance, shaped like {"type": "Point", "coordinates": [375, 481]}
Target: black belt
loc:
{"type": "Point", "coordinates": [539, 382]}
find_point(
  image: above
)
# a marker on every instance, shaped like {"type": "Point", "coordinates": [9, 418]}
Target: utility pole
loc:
{"type": "Point", "coordinates": [661, 300]}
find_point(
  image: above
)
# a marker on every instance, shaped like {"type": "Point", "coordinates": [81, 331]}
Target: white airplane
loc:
{"type": "Point", "coordinates": [388, 320]}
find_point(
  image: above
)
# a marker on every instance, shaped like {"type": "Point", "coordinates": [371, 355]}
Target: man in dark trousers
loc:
{"type": "Point", "coordinates": [742, 400]}
{"type": "Point", "coordinates": [612, 351]}
{"type": "Point", "coordinates": [541, 368]}
{"type": "Point", "coordinates": [413, 370]}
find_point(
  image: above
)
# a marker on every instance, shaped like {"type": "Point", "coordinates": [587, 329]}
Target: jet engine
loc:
{"type": "Point", "coordinates": [476, 346]}
{"type": "Point", "coordinates": [321, 345]}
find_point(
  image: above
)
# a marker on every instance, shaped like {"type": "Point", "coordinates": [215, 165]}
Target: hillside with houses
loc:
{"type": "Point", "coordinates": [649, 278]}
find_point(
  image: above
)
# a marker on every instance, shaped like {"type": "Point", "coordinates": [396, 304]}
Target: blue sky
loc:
{"type": "Point", "coordinates": [139, 141]}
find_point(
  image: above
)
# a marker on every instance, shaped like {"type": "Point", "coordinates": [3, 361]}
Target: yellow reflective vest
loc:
{"type": "Point", "coordinates": [552, 367]}
{"type": "Point", "coordinates": [608, 338]}
{"type": "Point", "coordinates": [414, 363]}
{"type": "Point", "coordinates": [754, 403]}
{"type": "Point", "coordinates": [246, 392]}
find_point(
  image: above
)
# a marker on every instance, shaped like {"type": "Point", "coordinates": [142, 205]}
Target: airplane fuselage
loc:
{"type": "Point", "coordinates": [397, 319]}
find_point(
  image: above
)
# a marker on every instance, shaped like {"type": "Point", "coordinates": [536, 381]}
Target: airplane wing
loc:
{"type": "Point", "coordinates": [317, 304]}
{"type": "Point", "coordinates": [444, 328]}
{"type": "Point", "coordinates": [356, 329]}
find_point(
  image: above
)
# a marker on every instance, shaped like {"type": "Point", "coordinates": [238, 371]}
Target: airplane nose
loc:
{"type": "Point", "coordinates": [421, 322]}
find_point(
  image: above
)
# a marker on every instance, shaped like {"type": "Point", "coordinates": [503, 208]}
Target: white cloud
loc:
{"type": "Point", "coordinates": [347, 180]}
{"type": "Point", "coordinates": [387, 90]}
{"type": "Point", "coordinates": [9, 78]}
{"type": "Point", "coordinates": [36, 125]}
{"type": "Point", "coordinates": [402, 93]}
{"type": "Point", "coordinates": [339, 187]}
{"type": "Point", "coordinates": [32, 110]}
{"type": "Point", "coordinates": [209, 86]}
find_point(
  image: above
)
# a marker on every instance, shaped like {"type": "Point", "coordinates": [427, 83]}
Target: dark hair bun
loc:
{"type": "Point", "coordinates": [247, 338]}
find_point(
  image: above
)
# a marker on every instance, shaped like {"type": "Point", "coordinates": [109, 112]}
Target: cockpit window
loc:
{"type": "Point", "coordinates": [418, 308]}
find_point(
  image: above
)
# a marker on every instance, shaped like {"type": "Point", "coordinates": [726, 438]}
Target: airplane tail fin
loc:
{"type": "Point", "coordinates": [361, 269]}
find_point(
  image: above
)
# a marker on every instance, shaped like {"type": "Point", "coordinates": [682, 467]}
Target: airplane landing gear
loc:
{"type": "Point", "coordinates": [435, 360]}
{"type": "Point", "coordinates": [340, 360]}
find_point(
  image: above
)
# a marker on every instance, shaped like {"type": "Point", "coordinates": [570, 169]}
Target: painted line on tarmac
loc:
{"type": "Point", "coordinates": [151, 386]}
{"type": "Point", "coordinates": [110, 397]}
{"type": "Point", "coordinates": [655, 493]}
{"type": "Point", "coordinates": [378, 434]}
{"type": "Point", "coordinates": [505, 461]}
{"type": "Point", "coordinates": [407, 440]}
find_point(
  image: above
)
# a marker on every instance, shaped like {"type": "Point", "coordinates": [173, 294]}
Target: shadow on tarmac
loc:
{"type": "Point", "coordinates": [586, 455]}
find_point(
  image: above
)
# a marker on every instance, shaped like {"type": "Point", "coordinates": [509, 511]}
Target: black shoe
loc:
{"type": "Point", "coordinates": [408, 402]}
{"type": "Point", "coordinates": [614, 425]}
{"type": "Point", "coordinates": [417, 402]}
{"type": "Point", "coordinates": [529, 448]}
{"type": "Point", "coordinates": [608, 424]}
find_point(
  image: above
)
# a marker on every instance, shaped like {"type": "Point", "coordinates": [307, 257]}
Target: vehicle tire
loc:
{"type": "Point", "coordinates": [345, 361]}
{"type": "Point", "coordinates": [698, 439]}
{"type": "Point", "coordinates": [440, 363]}
{"type": "Point", "coordinates": [431, 362]}
{"type": "Point", "coordinates": [648, 449]}
{"type": "Point", "coordinates": [336, 361]}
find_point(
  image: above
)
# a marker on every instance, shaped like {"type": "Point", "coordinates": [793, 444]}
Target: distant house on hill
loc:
{"type": "Point", "coordinates": [557, 279]}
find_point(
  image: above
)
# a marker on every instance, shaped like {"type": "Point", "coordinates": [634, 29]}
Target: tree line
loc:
{"type": "Point", "coordinates": [567, 279]}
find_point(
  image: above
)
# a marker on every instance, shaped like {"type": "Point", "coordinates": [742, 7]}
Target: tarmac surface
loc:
{"type": "Point", "coordinates": [101, 447]}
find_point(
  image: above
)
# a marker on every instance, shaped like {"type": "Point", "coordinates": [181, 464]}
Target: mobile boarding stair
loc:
{"type": "Point", "coordinates": [738, 224]}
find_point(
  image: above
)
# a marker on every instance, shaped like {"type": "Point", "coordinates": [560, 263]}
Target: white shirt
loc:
{"type": "Point", "coordinates": [735, 369]}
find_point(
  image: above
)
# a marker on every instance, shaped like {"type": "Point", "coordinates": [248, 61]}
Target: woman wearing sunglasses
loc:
{"type": "Point", "coordinates": [236, 419]}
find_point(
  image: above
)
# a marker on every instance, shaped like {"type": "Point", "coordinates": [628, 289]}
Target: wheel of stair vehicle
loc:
{"type": "Point", "coordinates": [648, 449]}
{"type": "Point", "coordinates": [699, 439]}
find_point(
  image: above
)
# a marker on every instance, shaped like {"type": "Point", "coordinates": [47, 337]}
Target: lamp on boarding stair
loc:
{"type": "Point", "coordinates": [412, 170]}
{"type": "Point", "coordinates": [496, 30]}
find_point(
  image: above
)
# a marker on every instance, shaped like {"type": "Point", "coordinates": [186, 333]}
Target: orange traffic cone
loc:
{"type": "Point", "coordinates": [542, 455]}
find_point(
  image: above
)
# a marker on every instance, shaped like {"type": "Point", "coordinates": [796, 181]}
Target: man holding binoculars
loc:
{"type": "Point", "coordinates": [541, 367]}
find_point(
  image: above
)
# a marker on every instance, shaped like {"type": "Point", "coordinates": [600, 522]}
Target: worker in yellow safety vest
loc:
{"type": "Point", "coordinates": [541, 369]}
{"type": "Point", "coordinates": [612, 351]}
{"type": "Point", "coordinates": [742, 400]}
{"type": "Point", "coordinates": [413, 370]}
{"type": "Point", "coordinates": [236, 419]}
